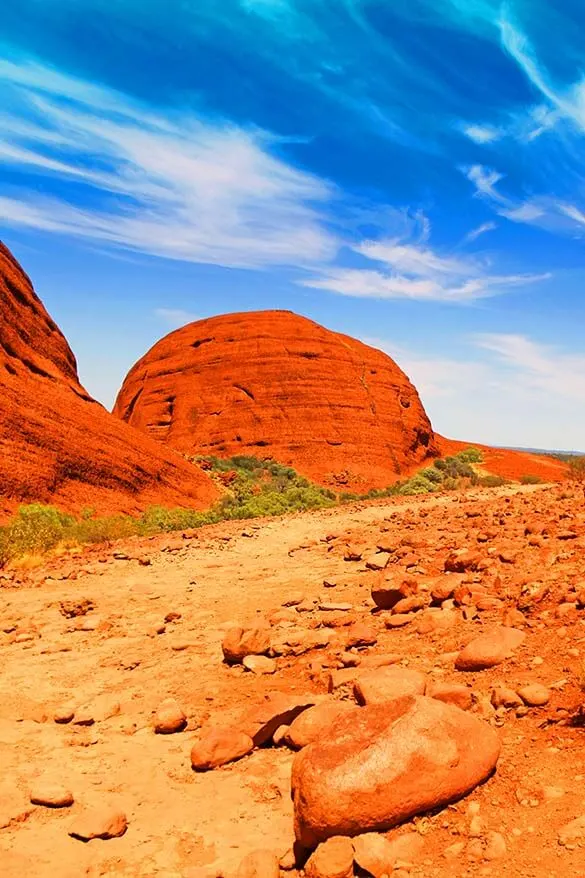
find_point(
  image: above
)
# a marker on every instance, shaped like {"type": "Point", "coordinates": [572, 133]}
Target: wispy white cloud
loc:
{"type": "Point", "coordinates": [173, 186]}
{"type": "Point", "coordinates": [485, 181]}
{"type": "Point", "coordinates": [483, 133]}
{"type": "Point", "coordinates": [539, 368]}
{"type": "Point", "coordinates": [502, 389]}
{"type": "Point", "coordinates": [560, 114]}
{"type": "Point", "coordinates": [413, 270]}
{"type": "Point", "coordinates": [175, 317]}
{"type": "Point", "coordinates": [476, 233]}
{"type": "Point", "coordinates": [568, 103]}
{"type": "Point", "coordinates": [545, 211]}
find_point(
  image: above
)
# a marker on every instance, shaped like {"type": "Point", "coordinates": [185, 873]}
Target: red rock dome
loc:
{"type": "Point", "coordinates": [57, 445]}
{"type": "Point", "coordinates": [275, 385]}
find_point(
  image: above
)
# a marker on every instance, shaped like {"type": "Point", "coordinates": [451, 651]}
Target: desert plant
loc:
{"type": "Point", "coordinates": [577, 469]}
{"type": "Point", "coordinates": [470, 455]}
{"type": "Point", "coordinates": [528, 479]}
{"type": "Point", "coordinates": [492, 481]}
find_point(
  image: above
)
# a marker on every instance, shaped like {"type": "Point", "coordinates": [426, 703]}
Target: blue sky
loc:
{"type": "Point", "coordinates": [411, 172]}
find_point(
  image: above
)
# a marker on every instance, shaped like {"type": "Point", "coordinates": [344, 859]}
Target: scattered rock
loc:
{"type": "Point", "coordinates": [78, 607]}
{"type": "Point", "coordinates": [50, 794]}
{"type": "Point", "coordinates": [462, 561]}
{"type": "Point", "coordinates": [259, 664]}
{"type": "Point", "coordinates": [332, 859]}
{"type": "Point", "coordinates": [260, 722]}
{"type": "Point", "coordinates": [386, 593]}
{"type": "Point", "coordinates": [104, 822]}
{"type": "Point", "coordinates": [534, 694]}
{"type": "Point", "coordinates": [502, 696]}
{"type": "Point", "coordinates": [434, 620]}
{"type": "Point", "coordinates": [259, 864]}
{"type": "Point", "coordinates": [169, 718]}
{"type": "Point", "coordinates": [489, 650]}
{"type": "Point", "coordinates": [388, 684]}
{"type": "Point", "coordinates": [64, 714]}
{"type": "Point", "coordinates": [398, 620]}
{"type": "Point", "coordinates": [102, 707]}
{"type": "Point", "coordinates": [451, 693]}
{"type": "Point", "coordinates": [573, 832]}
{"type": "Point", "coordinates": [373, 854]}
{"type": "Point", "coordinates": [387, 763]}
{"type": "Point", "coordinates": [361, 634]}
{"type": "Point", "coordinates": [241, 642]}
{"type": "Point", "coordinates": [377, 561]}
{"type": "Point", "coordinates": [444, 587]}
{"type": "Point", "coordinates": [218, 746]}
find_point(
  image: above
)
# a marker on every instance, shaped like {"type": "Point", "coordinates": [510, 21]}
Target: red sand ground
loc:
{"type": "Point", "coordinates": [160, 610]}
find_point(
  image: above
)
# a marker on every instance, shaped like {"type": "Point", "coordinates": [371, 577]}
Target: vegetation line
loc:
{"type": "Point", "coordinates": [252, 488]}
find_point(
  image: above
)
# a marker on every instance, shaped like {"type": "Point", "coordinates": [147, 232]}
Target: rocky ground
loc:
{"type": "Point", "coordinates": [114, 686]}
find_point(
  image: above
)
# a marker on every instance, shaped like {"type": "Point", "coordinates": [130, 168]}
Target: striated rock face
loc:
{"type": "Point", "coordinates": [273, 384]}
{"type": "Point", "coordinates": [57, 444]}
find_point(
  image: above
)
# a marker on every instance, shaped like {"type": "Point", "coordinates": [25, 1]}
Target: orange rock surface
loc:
{"type": "Point", "coordinates": [276, 385]}
{"type": "Point", "coordinates": [57, 444]}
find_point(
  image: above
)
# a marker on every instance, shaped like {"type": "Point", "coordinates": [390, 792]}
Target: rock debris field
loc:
{"type": "Point", "coordinates": [387, 689]}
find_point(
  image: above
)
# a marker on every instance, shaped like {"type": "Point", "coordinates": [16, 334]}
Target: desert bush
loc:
{"type": "Point", "coordinates": [37, 528]}
{"type": "Point", "coordinates": [577, 468]}
{"type": "Point", "coordinates": [528, 479]}
{"type": "Point", "coordinates": [491, 481]}
{"type": "Point", "coordinates": [470, 455]}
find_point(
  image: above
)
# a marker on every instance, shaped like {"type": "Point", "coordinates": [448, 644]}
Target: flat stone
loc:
{"type": "Point", "coordinates": [534, 694]}
{"type": "Point", "coordinates": [50, 794]}
{"type": "Point", "coordinates": [387, 684]}
{"type": "Point", "coordinates": [219, 746]}
{"type": "Point", "coordinates": [261, 721]}
{"type": "Point", "coordinates": [259, 664]}
{"type": "Point", "coordinates": [399, 620]}
{"type": "Point", "coordinates": [105, 822]}
{"type": "Point", "coordinates": [489, 649]}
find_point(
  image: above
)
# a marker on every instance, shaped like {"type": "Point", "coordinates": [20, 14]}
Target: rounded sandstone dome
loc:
{"type": "Point", "coordinates": [272, 384]}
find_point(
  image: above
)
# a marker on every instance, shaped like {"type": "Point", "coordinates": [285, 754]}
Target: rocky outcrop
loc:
{"type": "Point", "coordinates": [276, 385]}
{"type": "Point", "coordinates": [57, 444]}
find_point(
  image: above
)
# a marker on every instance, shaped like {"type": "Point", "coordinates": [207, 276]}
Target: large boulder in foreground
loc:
{"type": "Point", "coordinates": [384, 764]}
{"type": "Point", "coordinates": [276, 385]}
{"type": "Point", "coordinates": [57, 444]}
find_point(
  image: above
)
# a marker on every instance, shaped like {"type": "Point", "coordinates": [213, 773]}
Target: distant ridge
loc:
{"type": "Point", "coordinates": [549, 451]}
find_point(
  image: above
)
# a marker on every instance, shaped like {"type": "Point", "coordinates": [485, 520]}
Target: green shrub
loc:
{"type": "Point", "coordinates": [470, 455]}
{"type": "Point", "coordinates": [37, 528]}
